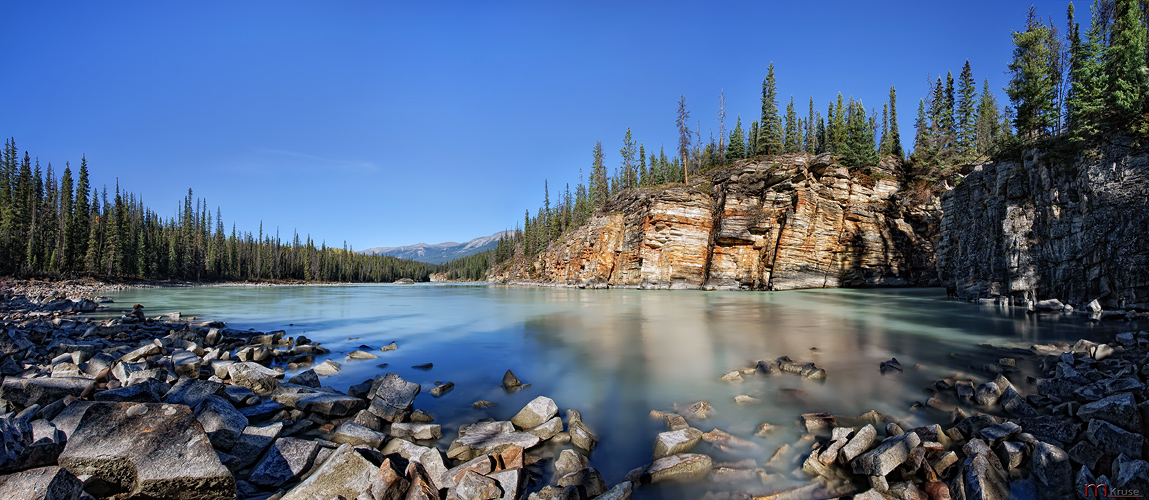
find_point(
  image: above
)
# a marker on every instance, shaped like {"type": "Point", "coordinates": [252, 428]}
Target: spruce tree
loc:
{"type": "Point", "coordinates": [792, 141]}
{"type": "Point", "coordinates": [1031, 88]}
{"type": "Point", "coordinates": [838, 130]}
{"type": "Point", "coordinates": [736, 149]}
{"type": "Point", "coordinates": [752, 142]}
{"type": "Point", "coordinates": [1125, 63]}
{"type": "Point", "coordinates": [859, 149]}
{"type": "Point", "coordinates": [821, 135]}
{"type": "Point", "coordinates": [1087, 92]}
{"type": "Point", "coordinates": [988, 121]}
{"type": "Point", "coordinates": [770, 127]}
{"type": "Point", "coordinates": [895, 135]}
{"type": "Point", "coordinates": [923, 138]}
{"type": "Point", "coordinates": [629, 175]}
{"type": "Point", "coordinates": [684, 135]}
{"type": "Point", "coordinates": [884, 144]}
{"type": "Point", "coordinates": [599, 184]}
{"type": "Point", "coordinates": [966, 111]}
{"type": "Point", "coordinates": [811, 130]}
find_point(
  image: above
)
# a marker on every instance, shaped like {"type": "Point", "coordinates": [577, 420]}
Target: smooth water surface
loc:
{"type": "Point", "coordinates": [617, 354]}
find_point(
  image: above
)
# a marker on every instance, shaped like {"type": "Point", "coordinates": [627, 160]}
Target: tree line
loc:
{"type": "Point", "coordinates": [62, 226]}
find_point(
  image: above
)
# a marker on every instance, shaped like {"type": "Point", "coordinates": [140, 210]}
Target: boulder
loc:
{"type": "Point", "coordinates": [392, 397]}
{"type": "Point", "coordinates": [510, 381]}
{"type": "Point", "coordinates": [1118, 409]}
{"type": "Point", "coordinates": [680, 467]}
{"type": "Point", "coordinates": [1114, 440]}
{"type": "Point", "coordinates": [588, 479]}
{"type": "Point", "coordinates": [412, 431]}
{"type": "Point", "coordinates": [192, 392]}
{"type": "Point", "coordinates": [329, 404]}
{"type": "Point", "coordinates": [581, 436]}
{"type": "Point", "coordinates": [475, 486]}
{"type": "Point", "coordinates": [620, 491]}
{"type": "Point", "coordinates": [695, 411]}
{"type": "Point", "coordinates": [431, 460]}
{"type": "Point", "coordinates": [886, 456]}
{"type": "Point", "coordinates": [327, 368]}
{"type": "Point", "coordinates": [148, 391]}
{"type": "Point", "coordinates": [569, 461]}
{"type": "Point", "coordinates": [1052, 472]}
{"type": "Point", "coordinates": [481, 465]}
{"type": "Point", "coordinates": [675, 442]}
{"type": "Point", "coordinates": [346, 473]}
{"type": "Point", "coordinates": [149, 450]}
{"type": "Point", "coordinates": [861, 441]}
{"type": "Point", "coordinates": [284, 462]}
{"type": "Point", "coordinates": [43, 391]}
{"type": "Point", "coordinates": [535, 413]}
{"type": "Point", "coordinates": [44, 483]}
{"type": "Point", "coordinates": [548, 429]}
{"type": "Point", "coordinates": [484, 438]}
{"type": "Point", "coordinates": [222, 422]}
{"type": "Point", "coordinates": [254, 376]}
{"type": "Point", "coordinates": [253, 442]}
{"type": "Point", "coordinates": [387, 484]}
{"type": "Point", "coordinates": [306, 378]}
{"type": "Point", "coordinates": [355, 434]}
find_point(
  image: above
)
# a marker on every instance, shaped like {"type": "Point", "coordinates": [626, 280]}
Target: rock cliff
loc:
{"type": "Point", "coordinates": [778, 223]}
{"type": "Point", "coordinates": [1040, 228]}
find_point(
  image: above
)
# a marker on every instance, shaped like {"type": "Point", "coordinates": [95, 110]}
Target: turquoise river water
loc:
{"type": "Point", "coordinates": [615, 355]}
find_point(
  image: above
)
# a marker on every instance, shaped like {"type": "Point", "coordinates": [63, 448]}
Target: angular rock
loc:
{"type": "Point", "coordinates": [511, 481]}
{"type": "Point", "coordinates": [581, 436]}
{"type": "Point", "coordinates": [345, 474]}
{"type": "Point", "coordinates": [150, 450]}
{"type": "Point", "coordinates": [328, 404]}
{"type": "Point", "coordinates": [997, 433]}
{"type": "Point", "coordinates": [149, 391]}
{"type": "Point", "coordinates": [474, 486]}
{"type": "Point", "coordinates": [886, 456]}
{"type": "Point", "coordinates": [253, 442]}
{"type": "Point", "coordinates": [413, 431]}
{"type": "Point", "coordinates": [355, 434]}
{"type": "Point", "coordinates": [222, 422]}
{"type": "Point", "coordinates": [1051, 472]}
{"type": "Point", "coordinates": [485, 438]}
{"type": "Point", "coordinates": [570, 461]}
{"type": "Point", "coordinates": [361, 355]}
{"type": "Point", "coordinates": [1114, 440]}
{"type": "Point", "coordinates": [429, 458]}
{"type": "Point", "coordinates": [859, 443]}
{"type": "Point", "coordinates": [254, 376]}
{"type": "Point", "coordinates": [535, 413]}
{"type": "Point", "coordinates": [44, 483]}
{"type": "Point", "coordinates": [695, 411]}
{"type": "Point", "coordinates": [674, 442]}
{"type": "Point", "coordinates": [284, 462]}
{"type": "Point", "coordinates": [392, 397]}
{"type": "Point", "coordinates": [548, 429]}
{"type": "Point", "coordinates": [681, 467]}
{"type": "Point", "coordinates": [306, 378]}
{"type": "Point", "coordinates": [481, 465]}
{"type": "Point", "coordinates": [192, 392]}
{"type": "Point", "coordinates": [327, 368]}
{"type": "Point", "coordinates": [43, 391]}
{"type": "Point", "coordinates": [510, 381]}
{"type": "Point", "coordinates": [387, 483]}
{"type": "Point", "coordinates": [1050, 429]}
{"type": "Point", "coordinates": [1119, 409]}
{"type": "Point", "coordinates": [588, 479]}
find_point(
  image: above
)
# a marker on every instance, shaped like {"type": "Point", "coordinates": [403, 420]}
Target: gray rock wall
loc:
{"type": "Point", "coordinates": [1040, 228]}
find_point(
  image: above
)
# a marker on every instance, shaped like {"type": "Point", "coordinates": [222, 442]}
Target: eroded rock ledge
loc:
{"type": "Point", "coordinates": [780, 223]}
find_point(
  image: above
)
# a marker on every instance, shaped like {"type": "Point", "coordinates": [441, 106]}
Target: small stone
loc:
{"type": "Point", "coordinates": [535, 413]}
{"type": "Point", "coordinates": [570, 461]}
{"type": "Point", "coordinates": [548, 429]}
{"type": "Point", "coordinates": [732, 377]}
{"type": "Point", "coordinates": [886, 456]}
{"type": "Point", "coordinates": [674, 442]}
{"type": "Point", "coordinates": [681, 467]}
{"type": "Point", "coordinates": [361, 355]}
{"type": "Point", "coordinates": [510, 381]}
{"type": "Point", "coordinates": [442, 389]}
{"type": "Point", "coordinates": [355, 434]}
{"type": "Point", "coordinates": [389, 347]}
{"type": "Point", "coordinates": [288, 458]}
{"type": "Point", "coordinates": [695, 411]}
{"type": "Point", "coordinates": [745, 400]}
{"type": "Point", "coordinates": [482, 404]}
{"type": "Point", "coordinates": [327, 368]}
{"type": "Point", "coordinates": [412, 431]}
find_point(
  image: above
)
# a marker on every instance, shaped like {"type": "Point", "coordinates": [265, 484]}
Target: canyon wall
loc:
{"type": "Point", "coordinates": [1044, 228]}
{"type": "Point", "coordinates": [783, 222]}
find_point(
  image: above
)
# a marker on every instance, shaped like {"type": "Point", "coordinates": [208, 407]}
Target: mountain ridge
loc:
{"type": "Point", "coordinates": [440, 253]}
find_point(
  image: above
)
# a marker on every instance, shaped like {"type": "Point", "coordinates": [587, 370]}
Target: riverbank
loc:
{"type": "Point", "coordinates": [157, 376]}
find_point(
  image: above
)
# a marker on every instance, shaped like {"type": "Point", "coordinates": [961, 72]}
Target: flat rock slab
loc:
{"type": "Point", "coordinates": [680, 467]}
{"type": "Point", "coordinates": [150, 450]}
{"type": "Point", "coordinates": [346, 473]}
{"type": "Point", "coordinates": [411, 431]}
{"type": "Point", "coordinates": [192, 392]}
{"type": "Point", "coordinates": [329, 404]}
{"type": "Point", "coordinates": [355, 434]}
{"type": "Point", "coordinates": [42, 391]}
{"type": "Point", "coordinates": [44, 483]}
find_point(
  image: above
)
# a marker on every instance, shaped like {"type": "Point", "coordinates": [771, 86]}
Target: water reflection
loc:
{"type": "Point", "coordinates": [617, 354]}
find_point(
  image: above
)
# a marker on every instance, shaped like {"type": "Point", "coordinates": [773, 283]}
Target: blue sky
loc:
{"type": "Point", "coordinates": [387, 123]}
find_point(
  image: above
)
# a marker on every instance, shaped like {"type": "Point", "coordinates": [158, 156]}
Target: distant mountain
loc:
{"type": "Point", "coordinates": [440, 253]}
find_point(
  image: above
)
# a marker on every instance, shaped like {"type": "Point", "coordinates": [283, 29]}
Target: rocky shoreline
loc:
{"type": "Point", "coordinates": [146, 406]}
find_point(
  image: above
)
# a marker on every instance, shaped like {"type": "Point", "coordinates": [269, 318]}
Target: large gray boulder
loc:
{"type": "Point", "coordinates": [535, 413]}
{"type": "Point", "coordinates": [886, 456]}
{"type": "Point", "coordinates": [430, 458]}
{"type": "Point", "coordinates": [485, 438]}
{"type": "Point", "coordinates": [149, 450]}
{"type": "Point", "coordinates": [328, 404]}
{"type": "Point", "coordinates": [346, 473]}
{"type": "Point", "coordinates": [1114, 440]}
{"type": "Point", "coordinates": [253, 442]}
{"type": "Point", "coordinates": [44, 483]}
{"type": "Point", "coordinates": [284, 462]}
{"type": "Point", "coordinates": [254, 376]}
{"type": "Point", "coordinates": [355, 434]}
{"type": "Point", "coordinates": [1052, 472]}
{"type": "Point", "coordinates": [1118, 409]}
{"type": "Point", "coordinates": [43, 391]}
{"type": "Point", "coordinates": [681, 467]}
{"type": "Point", "coordinates": [675, 442]}
{"type": "Point", "coordinates": [192, 392]}
{"type": "Point", "coordinates": [392, 397]}
{"type": "Point", "coordinates": [222, 422]}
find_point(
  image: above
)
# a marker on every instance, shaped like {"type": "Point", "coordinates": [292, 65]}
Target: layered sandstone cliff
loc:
{"type": "Point", "coordinates": [1039, 229]}
{"type": "Point", "coordinates": [785, 222]}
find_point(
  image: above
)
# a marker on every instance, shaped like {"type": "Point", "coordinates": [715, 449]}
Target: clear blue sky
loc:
{"type": "Point", "coordinates": [387, 123]}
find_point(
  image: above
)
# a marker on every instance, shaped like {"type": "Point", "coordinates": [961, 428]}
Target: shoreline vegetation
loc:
{"type": "Point", "coordinates": [225, 421]}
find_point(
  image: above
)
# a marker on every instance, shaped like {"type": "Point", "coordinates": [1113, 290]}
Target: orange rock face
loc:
{"type": "Point", "coordinates": [785, 222]}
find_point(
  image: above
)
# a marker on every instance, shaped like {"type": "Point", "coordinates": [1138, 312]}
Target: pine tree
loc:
{"type": "Point", "coordinates": [821, 135]}
{"type": "Point", "coordinates": [684, 136]}
{"type": "Point", "coordinates": [966, 111]}
{"type": "Point", "coordinates": [895, 134]}
{"type": "Point", "coordinates": [736, 150]}
{"type": "Point", "coordinates": [629, 176]}
{"type": "Point", "coordinates": [770, 128]}
{"type": "Point", "coordinates": [752, 141]}
{"type": "Point", "coordinates": [1124, 63]}
{"type": "Point", "coordinates": [947, 126]}
{"type": "Point", "coordinates": [1031, 88]}
{"type": "Point", "coordinates": [884, 145]}
{"type": "Point", "coordinates": [923, 138]}
{"type": "Point", "coordinates": [859, 148]}
{"type": "Point", "coordinates": [1085, 104]}
{"type": "Point", "coordinates": [838, 131]}
{"type": "Point", "coordinates": [792, 141]}
{"type": "Point", "coordinates": [988, 121]}
{"type": "Point", "coordinates": [811, 130]}
{"type": "Point", "coordinates": [599, 188]}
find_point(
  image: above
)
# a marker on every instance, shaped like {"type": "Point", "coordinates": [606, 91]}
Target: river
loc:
{"type": "Point", "coordinates": [615, 355]}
